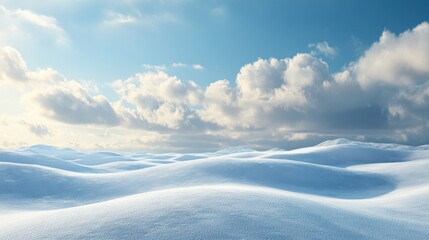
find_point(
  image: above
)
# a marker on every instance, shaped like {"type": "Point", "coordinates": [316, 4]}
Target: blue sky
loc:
{"type": "Point", "coordinates": [220, 35]}
{"type": "Point", "coordinates": [102, 49]}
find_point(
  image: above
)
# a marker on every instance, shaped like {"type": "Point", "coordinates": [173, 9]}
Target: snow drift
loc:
{"type": "Point", "coordinates": [338, 189]}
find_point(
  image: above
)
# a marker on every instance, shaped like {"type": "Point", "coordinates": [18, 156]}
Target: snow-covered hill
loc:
{"type": "Point", "coordinates": [339, 189]}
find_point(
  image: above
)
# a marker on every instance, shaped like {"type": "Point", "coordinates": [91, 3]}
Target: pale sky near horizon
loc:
{"type": "Point", "coordinates": [187, 75]}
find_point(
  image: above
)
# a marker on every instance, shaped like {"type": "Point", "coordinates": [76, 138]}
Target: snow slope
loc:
{"type": "Point", "coordinates": [339, 189]}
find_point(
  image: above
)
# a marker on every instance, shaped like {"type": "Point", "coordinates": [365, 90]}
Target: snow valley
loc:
{"type": "Point", "coordinates": [339, 189]}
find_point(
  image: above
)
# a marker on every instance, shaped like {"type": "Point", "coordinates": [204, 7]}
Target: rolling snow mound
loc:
{"type": "Point", "coordinates": [339, 189]}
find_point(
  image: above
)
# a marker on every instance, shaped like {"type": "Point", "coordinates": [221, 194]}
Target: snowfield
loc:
{"type": "Point", "coordinates": [339, 189]}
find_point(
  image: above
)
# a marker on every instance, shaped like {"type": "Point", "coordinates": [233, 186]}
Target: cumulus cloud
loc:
{"type": "Point", "coordinates": [69, 102]}
{"type": "Point", "coordinates": [298, 94]}
{"type": "Point", "coordinates": [394, 74]}
{"type": "Point", "coordinates": [14, 69]}
{"type": "Point", "coordinates": [12, 66]}
{"type": "Point", "coordinates": [383, 95]}
{"type": "Point", "coordinates": [221, 105]}
{"type": "Point", "coordinates": [56, 96]}
{"type": "Point", "coordinates": [269, 93]}
{"type": "Point", "coordinates": [396, 60]}
{"type": "Point", "coordinates": [159, 98]}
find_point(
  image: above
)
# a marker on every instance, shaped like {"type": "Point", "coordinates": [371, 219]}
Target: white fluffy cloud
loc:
{"type": "Point", "coordinates": [159, 98]}
{"type": "Point", "coordinates": [269, 93]}
{"type": "Point", "coordinates": [13, 68]}
{"type": "Point", "coordinates": [221, 105]}
{"type": "Point", "coordinates": [396, 60]}
{"type": "Point", "coordinates": [394, 73]}
{"type": "Point", "coordinates": [69, 102]}
{"type": "Point", "coordinates": [385, 94]}
{"type": "Point", "coordinates": [382, 95]}
{"type": "Point", "coordinates": [56, 97]}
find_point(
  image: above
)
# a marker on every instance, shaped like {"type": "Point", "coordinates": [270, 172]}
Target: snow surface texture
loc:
{"type": "Point", "coordinates": [336, 190]}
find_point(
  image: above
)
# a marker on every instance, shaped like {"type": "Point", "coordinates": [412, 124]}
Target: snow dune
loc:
{"type": "Point", "coordinates": [339, 189]}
